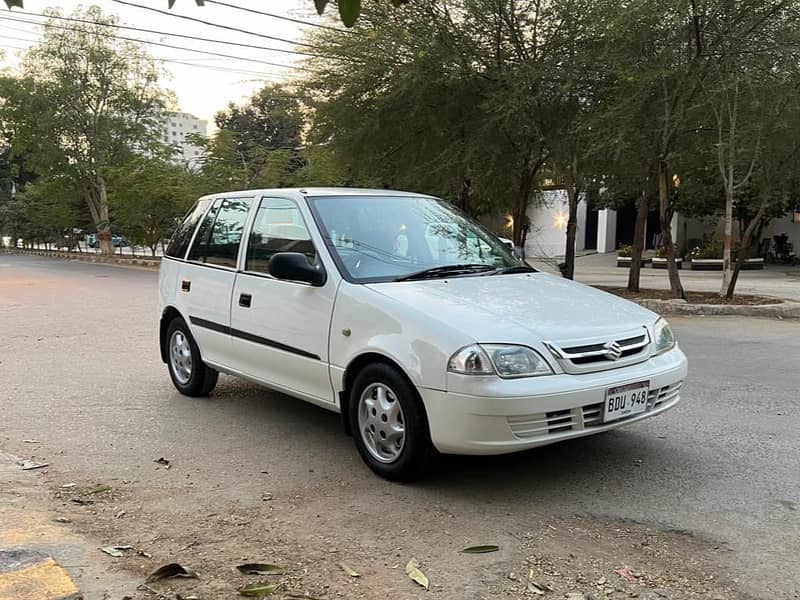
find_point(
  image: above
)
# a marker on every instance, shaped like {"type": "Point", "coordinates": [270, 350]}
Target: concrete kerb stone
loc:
{"type": "Point", "coordinates": [783, 310]}
{"type": "Point", "coordinates": [152, 263]}
{"type": "Point", "coordinates": [32, 575]}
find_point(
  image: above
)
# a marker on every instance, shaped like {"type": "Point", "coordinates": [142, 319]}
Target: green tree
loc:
{"type": "Point", "coordinates": [84, 102]}
{"type": "Point", "coordinates": [452, 98]}
{"type": "Point", "coordinates": [46, 212]}
{"type": "Point", "coordinates": [222, 166]}
{"type": "Point", "coordinates": [270, 121]}
{"type": "Point", "coordinates": [321, 166]}
{"type": "Point", "coordinates": [147, 197]}
{"type": "Point", "coordinates": [751, 92]}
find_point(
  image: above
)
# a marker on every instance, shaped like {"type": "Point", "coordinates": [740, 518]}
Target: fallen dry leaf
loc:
{"type": "Point", "coordinates": [259, 590]}
{"type": "Point", "coordinates": [260, 569]}
{"type": "Point", "coordinates": [116, 551]}
{"type": "Point", "coordinates": [170, 570]}
{"type": "Point", "coordinates": [412, 570]}
{"type": "Point", "coordinates": [481, 549]}
{"type": "Point", "coordinates": [350, 572]}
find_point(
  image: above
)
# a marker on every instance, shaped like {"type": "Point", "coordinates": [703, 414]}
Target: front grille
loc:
{"type": "Point", "coordinates": [582, 417]}
{"type": "Point", "coordinates": [584, 358]}
{"type": "Point", "coordinates": [598, 347]}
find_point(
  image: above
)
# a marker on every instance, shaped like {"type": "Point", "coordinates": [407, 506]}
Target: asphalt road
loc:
{"type": "Point", "coordinates": [80, 372]}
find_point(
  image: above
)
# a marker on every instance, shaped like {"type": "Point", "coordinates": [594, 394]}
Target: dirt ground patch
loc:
{"type": "Point", "coordinates": [693, 297]}
{"type": "Point", "coordinates": [574, 555]}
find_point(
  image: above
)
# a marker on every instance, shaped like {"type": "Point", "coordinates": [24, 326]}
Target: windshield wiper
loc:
{"type": "Point", "coordinates": [514, 269]}
{"type": "Point", "coordinates": [447, 270]}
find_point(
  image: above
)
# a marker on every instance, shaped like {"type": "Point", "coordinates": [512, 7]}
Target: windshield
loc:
{"type": "Point", "coordinates": [384, 238]}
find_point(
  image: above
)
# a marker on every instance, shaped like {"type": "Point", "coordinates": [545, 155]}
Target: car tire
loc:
{"type": "Point", "coordinates": [382, 402]}
{"type": "Point", "coordinates": [189, 374]}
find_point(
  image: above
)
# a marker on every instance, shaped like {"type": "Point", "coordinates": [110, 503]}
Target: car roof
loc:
{"type": "Point", "coordinates": [311, 192]}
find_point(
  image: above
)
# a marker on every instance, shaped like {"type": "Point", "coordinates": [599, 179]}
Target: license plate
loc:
{"type": "Point", "coordinates": [625, 400]}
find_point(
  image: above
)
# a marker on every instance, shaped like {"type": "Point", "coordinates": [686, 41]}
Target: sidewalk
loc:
{"type": "Point", "coordinates": [41, 557]}
{"type": "Point", "coordinates": [775, 280]}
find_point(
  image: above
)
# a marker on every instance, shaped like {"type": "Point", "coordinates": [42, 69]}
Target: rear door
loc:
{"type": "Point", "coordinates": [280, 328]}
{"type": "Point", "coordinates": [208, 276]}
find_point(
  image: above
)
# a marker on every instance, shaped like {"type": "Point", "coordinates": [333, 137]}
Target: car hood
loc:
{"type": "Point", "coordinates": [519, 308]}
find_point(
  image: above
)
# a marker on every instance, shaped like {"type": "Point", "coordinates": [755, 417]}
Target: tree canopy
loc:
{"type": "Point", "coordinates": [84, 101]}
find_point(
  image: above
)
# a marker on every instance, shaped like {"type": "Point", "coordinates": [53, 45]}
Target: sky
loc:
{"type": "Point", "coordinates": [200, 86]}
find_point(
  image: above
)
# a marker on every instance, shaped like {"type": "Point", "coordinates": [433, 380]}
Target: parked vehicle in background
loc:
{"type": "Point", "coordinates": [783, 250]}
{"type": "Point", "coordinates": [117, 240]}
{"type": "Point", "coordinates": [415, 323]}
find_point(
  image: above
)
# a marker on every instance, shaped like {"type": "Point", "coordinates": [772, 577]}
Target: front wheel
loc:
{"type": "Point", "coordinates": [389, 424]}
{"type": "Point", "coordinates": [189, 374]}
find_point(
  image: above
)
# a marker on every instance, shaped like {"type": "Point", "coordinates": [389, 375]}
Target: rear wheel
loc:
{"type": "Point", "coordinates": [389, 425]}
{"type": "Point", "coordinates": [189, 374]}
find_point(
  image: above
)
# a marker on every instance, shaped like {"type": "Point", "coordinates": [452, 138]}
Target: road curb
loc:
{"type": "Point", "coordinates": [784, 310]}
{"type": "Point", "coordinates": [152, 263]}
{"type": "Point", "coordinates": [32, 575]}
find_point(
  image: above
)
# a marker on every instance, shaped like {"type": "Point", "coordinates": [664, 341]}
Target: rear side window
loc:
{"type": "Point", "coordinates": [277, 227]}
{"type": "Point", "coordinates": [183, 235]}
{"type": "Point", "coordinates": [218, 238]}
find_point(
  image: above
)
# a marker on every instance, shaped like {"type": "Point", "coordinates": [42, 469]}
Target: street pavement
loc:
{"type": "Point", "coordinates": [81, 375]}
{"type": "Point", "coordinates": [600, 269]}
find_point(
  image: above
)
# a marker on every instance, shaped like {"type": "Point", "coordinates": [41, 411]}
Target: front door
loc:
{"type": "Point", "coordinates": [279, 329]}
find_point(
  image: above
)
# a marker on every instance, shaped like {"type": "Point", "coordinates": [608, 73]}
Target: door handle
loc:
{"type": "Point", "coordinates": [186, 285]}
{"type": "Point", "coordinates": [244, 300]}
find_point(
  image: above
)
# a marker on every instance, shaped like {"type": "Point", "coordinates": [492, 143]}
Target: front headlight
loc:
{"type": "Point", "coordinates": [503, 359]}
{"type": "Point", "coordinates": [664, 338]}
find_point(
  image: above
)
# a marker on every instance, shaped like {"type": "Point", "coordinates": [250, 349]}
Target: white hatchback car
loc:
{"type": "Point", "coordinates": [414, 322]}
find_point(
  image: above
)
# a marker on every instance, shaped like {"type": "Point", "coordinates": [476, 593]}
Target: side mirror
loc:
{"type": "Point", "coordinates": [293, 266]}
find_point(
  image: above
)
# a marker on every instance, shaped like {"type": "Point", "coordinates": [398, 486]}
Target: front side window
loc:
{"type": "Point", "coordinates": [218, 238]}
{"type": "Point", "coordinates": [183, 235]}
{"type": "Point", "coordinates": [278, 227]}
{"type": "Point", "coordinates": [385, 238]}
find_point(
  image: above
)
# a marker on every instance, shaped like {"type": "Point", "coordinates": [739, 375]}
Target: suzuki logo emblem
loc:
{"type": "Point", "coordinates": [613, 350]}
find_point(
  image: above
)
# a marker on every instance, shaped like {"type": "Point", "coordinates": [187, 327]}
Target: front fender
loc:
{"type": "Point", "coordinates": [365, 321]}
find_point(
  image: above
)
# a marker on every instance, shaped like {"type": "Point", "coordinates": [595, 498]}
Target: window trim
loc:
{"type": "Point", "coordinates": [246, 246]}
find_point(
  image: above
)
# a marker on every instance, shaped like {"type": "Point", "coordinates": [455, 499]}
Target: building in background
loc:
{"type": "Point", "coordinates": [604, 230]}
{"type": "Point", "coordinates": [177, 127]}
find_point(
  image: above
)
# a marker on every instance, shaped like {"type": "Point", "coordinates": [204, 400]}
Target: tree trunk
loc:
{"type": "Point", "coordinates": [573, 197]}
{"type": "Point", "coordinates": [665, 216]}
{"type": "Point", "coordinates": [463, 195]}
{"type": "Point", "coordinates": [97, 200]}
{"type": "Point", "coordinates": [520, 214]}
{"type": "Point", "coordinates": [638, 241]}
{"type": "Point", "coordinates": [744, 249]}
{"type": "Point", "coordinates": [727, 239]}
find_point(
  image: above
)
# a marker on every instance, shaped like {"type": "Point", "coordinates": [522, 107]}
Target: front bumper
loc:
{"type": "Point", "coordinates": [489, 415]}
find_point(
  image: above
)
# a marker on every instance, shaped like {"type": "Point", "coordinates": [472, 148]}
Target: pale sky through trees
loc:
{"type": "Point", "coordinates": [200, 91]}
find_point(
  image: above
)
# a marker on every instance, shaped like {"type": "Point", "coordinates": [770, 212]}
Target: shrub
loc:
{"type": "Point", "coordinates": [625, 250]}
{"type": "Point", "coordinates": [711, 249]}
{"type": "Point", "coordinates": [661, 253]}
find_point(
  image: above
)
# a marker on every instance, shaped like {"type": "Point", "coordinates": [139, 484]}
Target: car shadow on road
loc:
{"type": "Point", "coordinates": [635, 458]}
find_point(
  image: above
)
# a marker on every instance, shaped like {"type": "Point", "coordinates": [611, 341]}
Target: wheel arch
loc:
{"type": "Point", "coordinates": [170, 313]}
{"type": "Point", "coordinates": [354, 367]}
